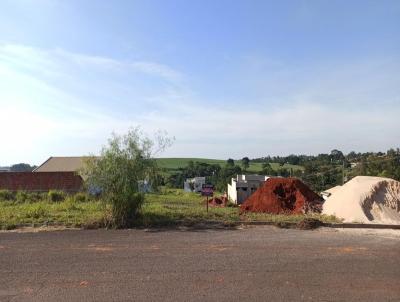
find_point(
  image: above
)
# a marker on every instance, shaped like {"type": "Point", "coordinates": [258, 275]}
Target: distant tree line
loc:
{"type": "Point", "coordinates": [324, 171]}
{"type": "Point", "coordinates": [22, 167]}
{"type": "Point", "coordinates": [320, 171]}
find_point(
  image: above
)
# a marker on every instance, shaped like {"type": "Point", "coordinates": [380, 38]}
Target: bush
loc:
{"type": "Point", "coordinates": [124, 210]}
{"type": "Point", "coordinates": [55, 196]}
{"type": "Point", "coordinates": [81, 197]}
{"type": "Point", "coordinates": [123, 165]}
{"type": "Point", "coordinates": [35, 197]}
{"type": "Point", "coordinates": [6, 195]}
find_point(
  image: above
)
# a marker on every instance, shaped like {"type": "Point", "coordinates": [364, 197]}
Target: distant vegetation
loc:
{"type": "Point", "coordinates": [320, 172]}
{"type": "Point", "coordinates": [22, 167]}
{"type": "Point", "coordinates": [217, 172]}
{"type": "Point", "coordinates": [171, 165]}
{"type": "Point", "coordinates": [324, 171]}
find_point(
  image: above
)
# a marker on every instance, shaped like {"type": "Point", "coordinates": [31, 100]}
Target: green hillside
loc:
{"type": "Point", "coordinates": [172, 164]}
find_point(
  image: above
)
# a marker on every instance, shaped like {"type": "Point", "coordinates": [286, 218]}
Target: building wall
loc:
{"type": "Point", "coordinates": [232, 194]}
{"type": "Point", "coordinates": [243, 186]}
{"type": "Point", "coordinates": [41, 182]}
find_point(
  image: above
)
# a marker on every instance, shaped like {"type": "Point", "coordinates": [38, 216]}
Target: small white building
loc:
{"type": "Point", "coordinates": [194, 184]}
{"type": "Point", "coordinates": [243, 186]}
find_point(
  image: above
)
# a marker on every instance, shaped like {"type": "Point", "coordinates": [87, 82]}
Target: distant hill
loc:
{"type": "Point", "coordinates": [173, 164]}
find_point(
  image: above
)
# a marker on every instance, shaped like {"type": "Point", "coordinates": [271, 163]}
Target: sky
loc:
{"type": "Point", "coordinates": [227, 79]}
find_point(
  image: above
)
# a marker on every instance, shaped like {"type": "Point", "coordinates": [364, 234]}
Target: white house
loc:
{"type": "Point", "coordinates": [194, 184]}
{"type": "Point", "coordinates": [243, 186]}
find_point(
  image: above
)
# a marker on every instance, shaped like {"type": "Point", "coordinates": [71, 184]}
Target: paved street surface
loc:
{"type": "Point", "coordinates": [251, 264]}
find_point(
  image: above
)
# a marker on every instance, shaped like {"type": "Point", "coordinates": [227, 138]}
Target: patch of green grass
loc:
{"type": "Point", "coordinates": [177, 206]}
{"type": "Point", "coordinates": [68, 212]}
{"type": "Point", "coordinates": [176, 163]}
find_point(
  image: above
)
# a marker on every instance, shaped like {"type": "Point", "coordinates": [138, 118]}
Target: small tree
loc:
{"type": "Point", "coordinates": [245, 163]}
{"type": "Point", "coordinates": [124, 162]}
{"type": "Point", "coordinates": [267, 169]}
{"type": "Point", "coordinates": [230, 162]}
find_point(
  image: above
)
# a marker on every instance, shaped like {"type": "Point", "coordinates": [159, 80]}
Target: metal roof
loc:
{"type": "Point", "coordinates": [62, 164]}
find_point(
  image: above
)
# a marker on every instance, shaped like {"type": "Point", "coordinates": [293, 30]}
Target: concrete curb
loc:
{"type": "Point", "coordinates": [362, 226]}
{"type": "Point", "coordinates": [211, 223]}
{"type": "Point", "coordinates": [332, 225]}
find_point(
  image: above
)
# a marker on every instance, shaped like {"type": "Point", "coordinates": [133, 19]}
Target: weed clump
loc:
{"type": "Point", "coordinates": [6, 195]}
{"type": "Point", "coordinates": [55, 196]}
{"type": "Point", "coordinates": [81, 197]}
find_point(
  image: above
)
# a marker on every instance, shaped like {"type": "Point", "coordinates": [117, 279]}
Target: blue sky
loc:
{"type": "Point", "coordinates": [226, 78]}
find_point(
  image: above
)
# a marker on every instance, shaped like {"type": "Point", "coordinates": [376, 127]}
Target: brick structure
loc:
{"type": "Point", "coordinates": [41, 182]}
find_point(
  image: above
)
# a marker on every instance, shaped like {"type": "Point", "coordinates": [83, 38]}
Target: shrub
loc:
{"type": "Point", "coordinates": [35, 197]}
{"type": "Point", "coordinates": [124, 210]}
{"type": "Point", "coordinates": [123, 164]}
{"type": "Point", "coordinates": [6, 195]}
{"type": "Point", "coordinates": [55, 196]}
{"type": "Point", "coordinates": [81, 197]}
{"type": "Point", "coordinates": [30, 197]}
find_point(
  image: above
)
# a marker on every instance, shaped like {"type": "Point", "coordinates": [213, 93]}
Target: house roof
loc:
{"type": "Point", "coordinates": [62, 164]}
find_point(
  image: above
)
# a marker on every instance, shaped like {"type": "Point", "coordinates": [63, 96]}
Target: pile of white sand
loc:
{"type": "Point", "coordinates": [327, 193]}
{"type": "Point", "coordinates": [366, 199]}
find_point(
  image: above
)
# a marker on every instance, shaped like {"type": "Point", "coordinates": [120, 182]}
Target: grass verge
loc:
{"type": "Point", "coordinates": [168, 208]}
{"type": "Point", "coordinates": [68, 213]}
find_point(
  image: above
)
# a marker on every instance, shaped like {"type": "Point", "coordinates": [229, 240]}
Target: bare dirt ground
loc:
{"type": "Point", "coordinates": [260, 263]}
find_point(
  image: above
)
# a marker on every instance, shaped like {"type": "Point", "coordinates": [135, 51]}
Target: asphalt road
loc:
{"type": "Point", "coordinates": [251, 264]}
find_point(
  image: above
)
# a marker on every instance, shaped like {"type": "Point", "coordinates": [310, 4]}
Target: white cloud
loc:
{"type": "Point", "coordinates": [302, 127]}
{"type": "Point", "coordinates": [55, 102]}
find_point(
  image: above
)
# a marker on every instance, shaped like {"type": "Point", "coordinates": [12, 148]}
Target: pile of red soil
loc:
{"type": "Point", "coordinates": [217, 202]}
{"type": "Point", "coordinates": [283, 196]}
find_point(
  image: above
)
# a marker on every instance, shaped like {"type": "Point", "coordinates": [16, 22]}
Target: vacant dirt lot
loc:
{"type": "Point", "coordinates": [251, 264]}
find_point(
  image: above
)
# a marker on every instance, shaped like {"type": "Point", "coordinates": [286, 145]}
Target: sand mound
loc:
{"type": "Point", "coordinates": [327, 193]}
{"type": "Point", "coordinates": [283, 195]}
{"type": "Point", "coordinates": [333, 190]}
{"type": "Point", "coordinates": [366, 199]}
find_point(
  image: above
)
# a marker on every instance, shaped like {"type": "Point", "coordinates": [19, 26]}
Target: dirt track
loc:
{"type": "Point", "coordinates": [252, 264]}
